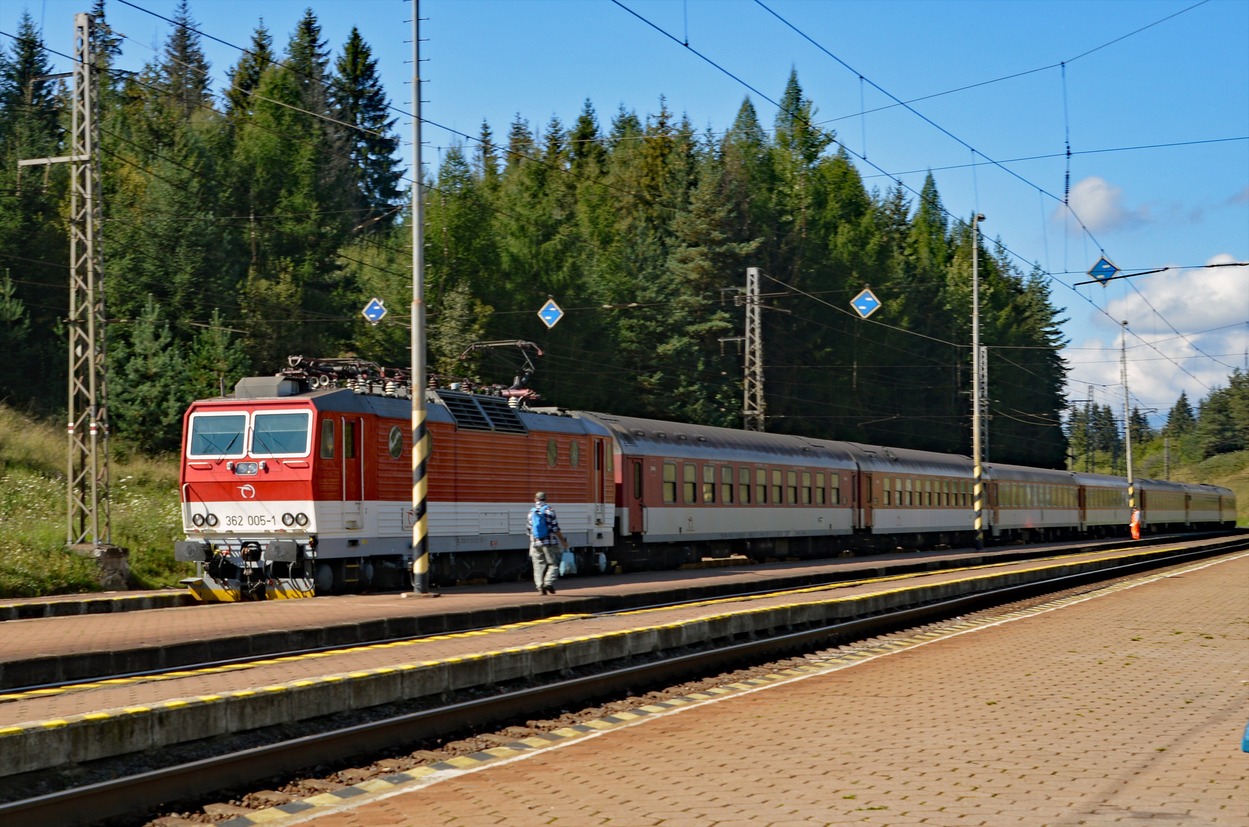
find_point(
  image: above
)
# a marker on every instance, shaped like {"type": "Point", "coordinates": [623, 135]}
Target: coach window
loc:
{"type": "Point", "coordinates": [761, 486]}
{"type": "Point", "coordinates": [690, 480]}
{"type": "Point", "coordinates": [928, 492]}
{"type": "Point", "coordinates": [574, 454]}
{"type": "Point", "coordinates": [552, 452]}
{"type": "Point", "coordinates": [327, 439]}
{"type": "Point", "coordinates": [670, 482]}
{"type": "Point", "coordinates": [777, 493]}
{"type": "Point", "coordinates": [791, 488]}
{"type": "Point", "coordinates": [726, 484]}
{"type": "Point", "coordinates": [820, 493]}
{"type": "Point", "coordinates": [743, 486]}
{"type": "Point", "coordinates": [834, 490]}
{"type": "Point", "coordinates": [637, 479]}
{"type": "Point", "coordinates": [888, 489]}
{"type": "Point", "coordinates": [709, 484]}
{"type": "Point", "coordinates": [806, 488]}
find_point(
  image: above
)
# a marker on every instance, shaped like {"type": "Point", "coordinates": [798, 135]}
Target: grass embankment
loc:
{"type": "Point", "coordinates": [33, 522]}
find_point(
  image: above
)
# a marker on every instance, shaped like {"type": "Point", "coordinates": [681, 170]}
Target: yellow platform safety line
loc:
{"type": "Point", "coordinates": [239, 667]}
{"type": "Point", "coordinates": [867, 581]}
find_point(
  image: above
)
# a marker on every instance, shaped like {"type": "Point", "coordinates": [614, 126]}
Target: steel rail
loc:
{"type": "Point", "coordinates": [148, 790]}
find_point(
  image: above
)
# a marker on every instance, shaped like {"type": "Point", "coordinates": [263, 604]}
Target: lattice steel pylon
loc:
{"type": "Point", "coordinates": [87, 403]}
{"type": "Point", "coordinates": [753, 406]}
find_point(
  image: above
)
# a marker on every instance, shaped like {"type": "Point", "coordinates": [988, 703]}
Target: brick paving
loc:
{"type": "Point", "coordinates": [1123, 709]}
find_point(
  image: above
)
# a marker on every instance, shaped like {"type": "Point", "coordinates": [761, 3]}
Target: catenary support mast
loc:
{"type": "Point", "coordinates": [420, 441]}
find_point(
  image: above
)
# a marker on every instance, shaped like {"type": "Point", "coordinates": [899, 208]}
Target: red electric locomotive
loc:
{"type": "Point", "coordinates": [302, 483]}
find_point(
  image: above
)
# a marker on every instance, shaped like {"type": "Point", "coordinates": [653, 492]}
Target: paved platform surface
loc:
{"type": "Point", "coordinates": [1126, 708]}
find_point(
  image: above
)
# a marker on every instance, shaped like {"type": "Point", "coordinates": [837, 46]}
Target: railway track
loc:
{"type": "Point", "coordinates": [141, 791]}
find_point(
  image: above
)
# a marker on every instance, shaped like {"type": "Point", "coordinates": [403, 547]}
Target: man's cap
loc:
{"type": "Point", "coordinates": [540, 496]}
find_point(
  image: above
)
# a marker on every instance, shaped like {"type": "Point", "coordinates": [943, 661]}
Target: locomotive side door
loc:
{"type": "Point", "coordinates": [353, 472]}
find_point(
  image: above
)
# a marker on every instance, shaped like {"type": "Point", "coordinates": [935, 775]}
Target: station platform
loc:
{"type": "Point", "coordinates": [1125, 706]}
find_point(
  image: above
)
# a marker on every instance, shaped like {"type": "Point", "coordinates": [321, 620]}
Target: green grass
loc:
{"type": "Point", "coordinates": [33, 512]}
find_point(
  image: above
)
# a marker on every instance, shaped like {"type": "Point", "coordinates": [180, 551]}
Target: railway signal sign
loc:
{"type": "Point", "coordinates": [866, 303]}
{"type": "Point", "coordinates": [374, 311]}
{"type": "Point", "coordinates": [550, 314]}
{"type": "Point", "coordinates": [1103, 270]}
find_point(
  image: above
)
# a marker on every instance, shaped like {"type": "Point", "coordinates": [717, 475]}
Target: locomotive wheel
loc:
{"type": "Point", "coordinates": [324, 581]}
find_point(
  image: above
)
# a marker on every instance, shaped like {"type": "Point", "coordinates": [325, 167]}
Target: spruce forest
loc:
{"type": "Point", "coordinates": [246, 224]}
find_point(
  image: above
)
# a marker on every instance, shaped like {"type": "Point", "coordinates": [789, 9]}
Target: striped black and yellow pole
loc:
{"type": "Point", "coordinates": [976, 391]}
{"type": "Point", "coordinates": [420, 439]}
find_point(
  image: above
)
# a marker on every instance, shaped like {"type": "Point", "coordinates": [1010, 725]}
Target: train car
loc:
{"type": "Point", "coordinates": [917, 499]}
{"type": "Point", "coordinates": [1163, 504]}
{"type": "Point", "coordinates": [689, 491]}
{"type": "Point", "coordinates": [1032, 503]}
{"type": "Point", "coordinates": [1103, 504]}
{"type": "Point", "coordinates": [295, 484]}
{"type": "Point", "coordinates": [1206, 505]}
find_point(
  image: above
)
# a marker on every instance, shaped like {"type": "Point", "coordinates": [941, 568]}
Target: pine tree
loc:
{"type": "Point", "coordinates": [1180, 420]}
{"type": "Point", "coordinates": [245, 76]}
{"type": "Point", "coordinates": [358, 99]}
{"type": "Point", "coordinates": [1223, 418]}
{"type": "Point", "coordinates": [215, 361]}
{"type": "Point", "coordinates": [148, 392]}
{"type": "Point", "coordinates": [34, 245]}
{"type": "Point", "coordinates": [184, 71]}
{"type": "Point", "coordinates": [14, 331]}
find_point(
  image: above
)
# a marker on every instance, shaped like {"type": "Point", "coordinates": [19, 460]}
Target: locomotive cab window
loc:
{"type": "Point", "coordinates": [216, 435]}
{"type": "Point", "coordinates": [281, 434]}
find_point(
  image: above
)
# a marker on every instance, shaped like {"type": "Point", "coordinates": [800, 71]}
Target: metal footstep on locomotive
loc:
{"type": "Point", "coordinates": [301, 484]}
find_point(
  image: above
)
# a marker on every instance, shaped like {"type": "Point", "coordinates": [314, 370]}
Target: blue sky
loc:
{"type": "Point", "coordinates": [1151, 97]}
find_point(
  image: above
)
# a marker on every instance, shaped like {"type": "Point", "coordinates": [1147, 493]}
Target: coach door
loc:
{"type": "Point", "coordinates": [863, 493]}
{"type": "Point", "coordinates": [353, 472]}
{"type": "Point", "coordinates": [633, 488]}
{"type": "Point", "coordinates": [602, 469]}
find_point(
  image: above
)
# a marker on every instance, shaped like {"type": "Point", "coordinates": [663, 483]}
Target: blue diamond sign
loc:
{"type": "Point", "coordinates": [1103, 270]}
{"type": "Point", "coordinates": [374, 311]}
{"type": "Point", "coordinates": [550, 313]}
{"type": "Point", "coordinates": [866, 303]}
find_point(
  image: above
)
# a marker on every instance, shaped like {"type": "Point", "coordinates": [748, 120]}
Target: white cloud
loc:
{"type": "Point", "coordinates": [1099, 204]}
{"type": "Point", "coordinates": [1191, 300]}
{"type": "Point", "coordinates": [1209, 307]}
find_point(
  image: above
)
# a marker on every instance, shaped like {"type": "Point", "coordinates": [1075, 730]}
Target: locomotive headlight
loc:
{"type": "Point", "coordinates": [288, 519]}
{"type": "Point", "coordinates": [197, 520]}
{"type": "Point", "coordinates": [211, 520]}
{"type": "Point", "coordinates": [301, 519]}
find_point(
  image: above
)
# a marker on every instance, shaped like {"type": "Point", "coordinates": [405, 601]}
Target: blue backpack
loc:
{"type": "Point", "coordinates": [540, 522]}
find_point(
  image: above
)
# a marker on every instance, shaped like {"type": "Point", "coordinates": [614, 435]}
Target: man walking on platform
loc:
{"type": "Point", "coordinates": [545, 542]}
